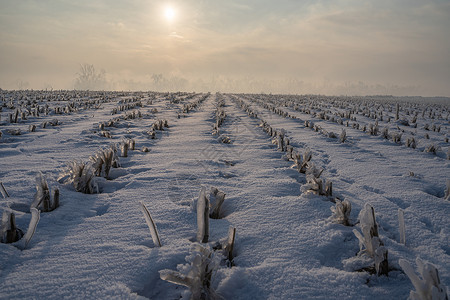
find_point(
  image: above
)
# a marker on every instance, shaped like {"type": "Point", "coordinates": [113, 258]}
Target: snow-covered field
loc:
{"type": "Point", "coordinates": [395, 156]}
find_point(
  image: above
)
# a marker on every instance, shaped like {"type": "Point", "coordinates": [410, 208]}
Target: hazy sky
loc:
{"type": "Point", "coordinates": [292, 45]}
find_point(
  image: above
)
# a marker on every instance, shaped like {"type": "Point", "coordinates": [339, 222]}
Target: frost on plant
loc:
{"type": "Point", "coordinates": [9, 233]}
{"type": "Point", "coordinates": [131, 144]}
{"type": "Point", "coordinates": [411, 142]}
{"type": "Point", "coordinates": [289, 153]}
{"type": "Point", "coordinates": [397, 137]}
{"type": "Point", "coordinates": [124, 149]}
{"type": "Point", "coordinates": [369, 241]}
{"type": "Point", "coordinates": [14, 131]}
{"type": "Point", "coordinates": [341, 212]}
{"type": "Point", "coordinates": [35, 217]}
{"type": "Point", "coordinates": [332, 135]}
{"type": "Point", "coordinates": [82, 176]}
{"type": "Point", "coordinates": [216, 199]}
{"type": "Point", "coordinates": [385, 133]}
{"type": "Point", "coordinates": [151, 225]}
{"type": "Point", "coordinates": [315, 184]}
{"type": "Point", "coordinates": [432, 148]}
{"type": "Point", "coordinates": [429, 287]}
{"type": "Point", "coordinates": [42, 199]}
{"type": "Point", "coordinates": [343, 136]}
{"type": "Point", "coordinates": [202, 217]}
{"type": "Point", "coordinates": [373, 129]}
{"type": "Point", "coordinates": [279, 140]}
{"type": "Point", "coordinates": [301, 162]}
{"type": "Point", "coordinates": [104, 160]}
{"type": "Point", "coordinates": [197, 274]}
{"type": "Point", "coordinates": [313, 170]}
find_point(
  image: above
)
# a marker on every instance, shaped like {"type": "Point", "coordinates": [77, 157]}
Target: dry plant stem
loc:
{"type": "Point", "coordinates": [35, 217]}
{"type": "Point", "coordinates": [230, 243]}
{"type": "Point", "coordinates": [42, 196]}
{"type": "Point", "coordinates": [3, 190]}
{"type": "Point", "coordinates": [401, 226]}
{"type": "Point", "coordinates": [151, 225]}
{"type": "Point", "coordinates": [202, 217]}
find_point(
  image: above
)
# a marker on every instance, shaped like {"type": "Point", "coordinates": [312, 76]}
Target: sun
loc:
{"type": "Point", "coordinates": [169, 13]}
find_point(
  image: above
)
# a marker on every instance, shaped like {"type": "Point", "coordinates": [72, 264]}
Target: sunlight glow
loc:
{"type": "Point", "coordinates": [169, 13]}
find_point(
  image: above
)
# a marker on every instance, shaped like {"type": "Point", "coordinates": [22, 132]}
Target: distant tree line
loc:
{"type": "Point", "coordinates": [89, 79]}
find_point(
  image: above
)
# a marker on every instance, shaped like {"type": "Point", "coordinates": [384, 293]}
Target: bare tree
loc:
{"type": "Point", "coordinates": [89, 79]}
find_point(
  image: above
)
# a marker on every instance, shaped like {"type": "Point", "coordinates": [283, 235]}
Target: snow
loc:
{"type": "Point", "coordinates": [287, 247]}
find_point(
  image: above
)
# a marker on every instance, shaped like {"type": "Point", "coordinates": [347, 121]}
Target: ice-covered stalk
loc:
{"type": "Point", "coordinates": [197, 276]}
{"type": "Point", "coordinates": [343, 136]}
{"type": "Point", "coordinates": [381, 261]}
{"type": "Point", "coordinates": [297, 157]}
{"type": "Point", "coordinates": [369, 229]}
{"type": "Point", "coordinates": [131, 144]}
{"type": "Point", "coordinates": [342, 212]}
{"type": "Point", "coordinates": [115, 158]}
{"type": "Point", "coordinates": [35, 217]}
{"type": "Point", "coordinates": [216, 199]}
{"type": "Point", "coordinates": [301, 162]}
{"type": "Point", "coordinates": [289, 150]}
{"type": "Point", "coordinates": [42, 196]}
{"type": "Point", "coordinates": [82, 176]}
{"type": "Point", "coordinates": [124, 149]}
{"type": "Point", "coordinates": [430, 286]}
{"type": "Point", "coordinates": [175, 277]}
{"type": "Point", "coordinates": [107, 158]}
{"type": "Point", "coordinates": [151, 225]}
{"type": "Point", "coordinates": [280, 140]}
{"type": "Point", "coordinates": [369, 241]}
{"type": "Point", "coordinates": [202, 217]}
{"type": "Point", "coordinates": [306, 158]}
{"type": "Point", "coordinates": [328, 188]}
{"type": "Point", "coordinates": [228, 249]}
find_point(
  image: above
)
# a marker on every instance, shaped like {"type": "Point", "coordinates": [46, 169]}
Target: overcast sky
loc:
{"type": "Point", "coordinates": [385, 46]}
